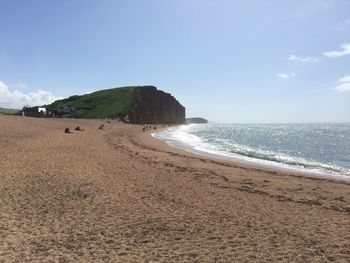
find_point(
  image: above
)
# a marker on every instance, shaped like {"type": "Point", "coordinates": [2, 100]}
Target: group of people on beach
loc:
{"type": "Point", "coordinates": [67, 130]}
{"type": "Point", "coordinates": [148, 127]}
{"type": "Point", "coordinates": [102, 126]}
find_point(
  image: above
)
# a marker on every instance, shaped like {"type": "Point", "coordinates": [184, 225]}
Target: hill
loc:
{"type": "Point", "coordinates": [8, 111]}
{"type": "Point", "coordinates": [97, 105]}
{"type": "Point", "coordinates": [134, 104]}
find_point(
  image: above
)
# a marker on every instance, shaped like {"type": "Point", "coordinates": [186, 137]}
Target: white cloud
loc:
{"type": "Point", "coordinates": [286, 76]}
{"type": "Point", "coordinates": [283, 76]}
{"type": "Point", "coordinates": [302, 59]}
{"type": "Point", "coordinates": [336, 54]}
{"type": "Point", "coordinates": [17, 99]}
{"type": "Point", "coordinates": [344, 85]}
{"type": "Point", "coordinates": [345, 79]}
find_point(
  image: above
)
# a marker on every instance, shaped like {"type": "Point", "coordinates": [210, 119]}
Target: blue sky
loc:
{"type": "Point", "coordinates": [228, 61]}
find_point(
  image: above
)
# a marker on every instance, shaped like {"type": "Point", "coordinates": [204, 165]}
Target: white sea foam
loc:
{"type": "Point", "coordinates": [184, 137]}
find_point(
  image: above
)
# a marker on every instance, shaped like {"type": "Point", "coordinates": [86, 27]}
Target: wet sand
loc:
{"type": "Point", "coordinates": [114, 195]}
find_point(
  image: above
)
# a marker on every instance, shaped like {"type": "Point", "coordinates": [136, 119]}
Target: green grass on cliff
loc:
{"type": "Point", "coordinates": [99, 104]}
{"type": "Point", "coordinates": [7, 111]}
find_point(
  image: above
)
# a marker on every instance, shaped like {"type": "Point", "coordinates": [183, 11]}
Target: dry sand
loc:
{"type": "Point", "coordinates": [113, 195]}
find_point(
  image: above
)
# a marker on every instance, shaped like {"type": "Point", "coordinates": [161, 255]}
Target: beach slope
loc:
{"type": "Point", "coordinates": [113, 195]}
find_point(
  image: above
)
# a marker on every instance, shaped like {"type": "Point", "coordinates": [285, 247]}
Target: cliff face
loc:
{"type": "Point", "coordinates": [156, 106]}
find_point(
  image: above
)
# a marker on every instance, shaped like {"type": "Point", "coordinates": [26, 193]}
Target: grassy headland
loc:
{"type": "Point", "coordinates": [99, 104]}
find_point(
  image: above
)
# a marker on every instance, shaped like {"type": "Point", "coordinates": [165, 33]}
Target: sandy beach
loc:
{"type": "Point", "coordinates": [119, 195]}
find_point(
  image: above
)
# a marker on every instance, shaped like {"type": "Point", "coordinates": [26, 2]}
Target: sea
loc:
{"type": "Point", "coordinates": [319, 148]}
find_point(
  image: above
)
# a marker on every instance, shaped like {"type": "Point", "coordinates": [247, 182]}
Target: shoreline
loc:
{"type": "Point", "coordinates": [165, 145]}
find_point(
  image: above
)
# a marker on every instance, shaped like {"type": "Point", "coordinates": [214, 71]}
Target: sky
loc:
{"type": "Point", "coordinates": [224, 60]}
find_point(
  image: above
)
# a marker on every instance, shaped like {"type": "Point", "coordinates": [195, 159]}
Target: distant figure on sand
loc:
{"type": "Point", "coordinates": [101, 127]}
{"type": "Point", "coordinates": [66, 130]}
{"type": "Point", "coordinates": [78, 128]}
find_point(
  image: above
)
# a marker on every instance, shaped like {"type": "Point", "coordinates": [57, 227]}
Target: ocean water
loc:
{"type": "Point", "coordinates": [317, 148]}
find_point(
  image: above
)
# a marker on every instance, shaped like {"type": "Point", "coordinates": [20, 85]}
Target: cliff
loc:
{"type": "Point", "coordinates": [136, 104]}
{"type": "Point", "coordinates": [156, 106]}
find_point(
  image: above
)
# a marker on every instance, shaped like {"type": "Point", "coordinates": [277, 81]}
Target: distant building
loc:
{"type": "Point", "coordinates": [34, 111]}
{"type": "Point", "coordinates": [42, 110]}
